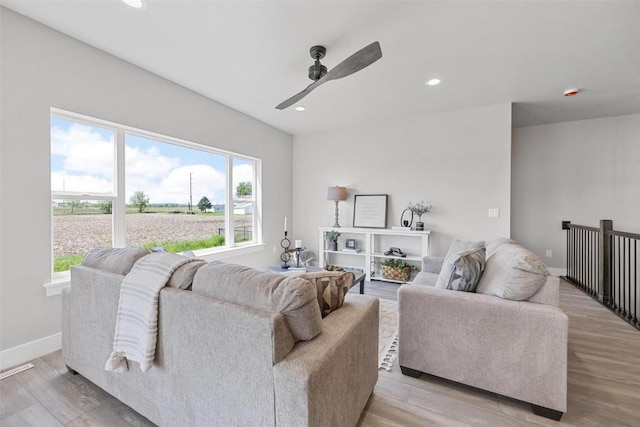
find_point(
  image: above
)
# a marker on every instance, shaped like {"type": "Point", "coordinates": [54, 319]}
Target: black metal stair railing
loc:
{"type": "Point", "coordinates": [604, 263]}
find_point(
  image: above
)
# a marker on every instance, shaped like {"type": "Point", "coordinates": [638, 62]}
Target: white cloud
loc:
{"type": "Point", "coordinates": [242, 173]}
{"type": "Point", "coordinates": [147, 164]}
{"type": "Point", "coordinates": [174, 187]}
{"type": "Point", "coordinates": [84, 150]}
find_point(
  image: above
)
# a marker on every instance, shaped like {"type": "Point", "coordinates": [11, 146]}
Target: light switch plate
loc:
{"type": "Point", "coordinates": [494, 213]}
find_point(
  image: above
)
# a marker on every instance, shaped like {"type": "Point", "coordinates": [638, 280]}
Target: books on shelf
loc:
{"type": "Point", "coordinates": [350, 250]}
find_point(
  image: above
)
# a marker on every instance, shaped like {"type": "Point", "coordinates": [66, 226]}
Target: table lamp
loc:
{"type": "Point", "coordinates": [337, 194]}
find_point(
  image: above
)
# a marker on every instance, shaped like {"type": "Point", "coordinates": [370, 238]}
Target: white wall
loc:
{"type": "Point", "coordinates": [459, 161]}
{"type": "Point", "coordinates": [582, 172]}
{"type": "Point", "coordinates": [42, 68]}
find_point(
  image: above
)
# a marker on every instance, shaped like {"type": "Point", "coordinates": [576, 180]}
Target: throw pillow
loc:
{"type": "Point", "coordinates": [514, 273]}
{"type": "Point", "coordinates": [113, 260]}
{"type": "Point", "coordinates": [461, 245]}
{"type": "Point", "coordinates": [182, 278]}
{"type": "Point", "coordinates": [331, 289]}
{"type": "Point", "coordinates": [462, 271]}
{"type": "Point", "coordinates": [494, 244]}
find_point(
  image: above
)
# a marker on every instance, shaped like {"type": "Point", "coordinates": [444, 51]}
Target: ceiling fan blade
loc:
{"type": "Point", "coordinates": [298, 96]}
{"type": "Point", "coordinates": [356, 62]}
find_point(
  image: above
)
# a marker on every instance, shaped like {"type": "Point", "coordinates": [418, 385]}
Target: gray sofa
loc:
{"type": "Point", "coordinates": [516, 348]}
{"type": "Point", "coordinates": [221, 362]}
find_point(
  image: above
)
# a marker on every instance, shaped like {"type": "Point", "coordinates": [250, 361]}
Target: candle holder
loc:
{"type": "Point", "coordinates": [285, 257]}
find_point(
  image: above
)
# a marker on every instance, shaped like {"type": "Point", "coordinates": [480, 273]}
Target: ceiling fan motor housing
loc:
{"type": "Point", "coordinates": [317, 70]}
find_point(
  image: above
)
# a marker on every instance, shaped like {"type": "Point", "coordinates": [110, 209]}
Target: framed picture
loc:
{"type": "Point", "coordinates": [370, 211]}
{"type": "Point", "coordinates": [350, 244]}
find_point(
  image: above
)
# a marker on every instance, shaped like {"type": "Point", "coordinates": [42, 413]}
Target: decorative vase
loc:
{"type": "Point", "coordinates": [333, 245]}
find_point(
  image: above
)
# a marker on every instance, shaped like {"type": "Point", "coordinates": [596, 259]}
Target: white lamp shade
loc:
{"type": "Point", "coordinates": [337, 193]}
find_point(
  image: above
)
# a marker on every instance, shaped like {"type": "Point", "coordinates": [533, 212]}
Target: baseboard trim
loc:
{"type": "Point", "coordinates": [25, 352]}
{"type": "Point", "coordinates": [557, 271]}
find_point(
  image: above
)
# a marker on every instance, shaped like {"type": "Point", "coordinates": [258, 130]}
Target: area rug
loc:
{"type": "Point", "coordinates": [388, 334]}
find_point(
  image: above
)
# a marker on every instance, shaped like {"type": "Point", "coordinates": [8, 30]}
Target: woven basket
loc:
{"type": "Point", "coordinates": [400, 274]}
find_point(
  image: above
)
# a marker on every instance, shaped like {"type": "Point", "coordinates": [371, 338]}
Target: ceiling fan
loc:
{"type": "Point", "coordinates": [318, 72]}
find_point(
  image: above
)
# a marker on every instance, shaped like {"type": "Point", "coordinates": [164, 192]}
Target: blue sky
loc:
{"type": "Point", "coordinates": [82, 159]}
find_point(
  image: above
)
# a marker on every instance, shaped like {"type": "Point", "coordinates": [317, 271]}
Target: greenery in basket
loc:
{"type": "Point", "coordinates": [333, 235]}
{"type": "Point", "coordinates": [397, 263]}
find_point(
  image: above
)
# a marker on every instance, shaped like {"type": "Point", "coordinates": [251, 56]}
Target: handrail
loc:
{"type": "Point", "coordinates": [622, 234]}
{"type": "Point", "coordinates": [605, 264]}
{"type": "Point", "coordinates": [567, 225]}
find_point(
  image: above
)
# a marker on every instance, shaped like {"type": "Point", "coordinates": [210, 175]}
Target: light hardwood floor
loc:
{"type": "Point", "coordinates": [603, 385]}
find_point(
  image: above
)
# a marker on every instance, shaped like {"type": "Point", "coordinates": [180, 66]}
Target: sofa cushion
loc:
{"type": "Point", "coordinates": [425, 278]}
{"type": "Point", "coordinates": [294, 297]}
{"type": "Point", "coordinates": [432, 264]}
{"type": "Point", "coordinates": [462, 271]}
{"type": "Point", "coordinates": [114, 260]}
{"type": "Point", "coordinates": [331, 287]}
{"type": "Point", "coordinates": [513, 272]}
{"type": "Point", "coordinates": [461, 245]}
{"type": "Point", "coordinates": [182, 278]}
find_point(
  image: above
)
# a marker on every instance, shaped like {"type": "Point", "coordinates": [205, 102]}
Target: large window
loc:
{"type": "Point", "coordinates": [112, 185]}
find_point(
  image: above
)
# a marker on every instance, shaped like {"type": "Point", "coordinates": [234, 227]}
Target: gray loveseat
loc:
{"type": "Point", "coordinates": [516, 348]}
{"type": "Point", "coordinates": [220, 362]}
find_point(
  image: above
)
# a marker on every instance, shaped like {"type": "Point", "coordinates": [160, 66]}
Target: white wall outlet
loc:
{"type": "Point", "coordinates": [549, 253]}
{"type": "Point", "coordinates": [274, 249]}
{"type": "Point", "coordinates": [494, 213]}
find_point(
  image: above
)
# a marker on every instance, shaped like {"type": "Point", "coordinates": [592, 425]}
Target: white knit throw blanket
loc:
{"type": "Point", "coordinates": [137, 318]}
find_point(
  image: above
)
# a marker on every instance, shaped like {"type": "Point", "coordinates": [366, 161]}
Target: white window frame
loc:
{"type": "Point", "coordinates": [117, 196]}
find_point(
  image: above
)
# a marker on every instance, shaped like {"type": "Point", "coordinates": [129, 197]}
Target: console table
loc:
{"type": "Point", "coordinates": [371, 244]}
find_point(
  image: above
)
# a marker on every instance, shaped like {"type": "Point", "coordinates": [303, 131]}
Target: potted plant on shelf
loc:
{"type": "Point", "coordinates": [419, 209]}
{"type": "Point", "coordinates": [396, 269]}
{"type": "Point", "coordinates": [332, 237]}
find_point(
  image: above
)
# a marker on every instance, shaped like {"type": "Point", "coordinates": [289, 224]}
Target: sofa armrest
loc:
{"type": "Point", "coordinates": [514, 348]}
{"type": "Point", "coordinates": [432, 264]}
{"type": "Point", "coordinates": [338, 369]}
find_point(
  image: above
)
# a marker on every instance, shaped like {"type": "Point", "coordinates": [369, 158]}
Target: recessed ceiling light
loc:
{"type": "Point", "coordinates": [571, 92]}
{"type": "Point", "coordinates": [433, 82]}
{"type": "Point", "coordinates": [300, 108]}
{"type": "Point", "coordinates": [136, 4]}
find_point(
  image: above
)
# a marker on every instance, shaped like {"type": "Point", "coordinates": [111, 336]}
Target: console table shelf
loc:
{"type": "Point", "coordinates": [373, 242]}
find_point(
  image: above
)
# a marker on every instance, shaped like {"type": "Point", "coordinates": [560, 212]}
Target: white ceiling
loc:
{"type": "Point", "coordinates": [251, 55]}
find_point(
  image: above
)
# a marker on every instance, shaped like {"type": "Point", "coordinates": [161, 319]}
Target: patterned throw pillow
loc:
{"type": "Point", "coordinates": [462, 271]}
{"type": "Point", "coordinates": [331, 288]}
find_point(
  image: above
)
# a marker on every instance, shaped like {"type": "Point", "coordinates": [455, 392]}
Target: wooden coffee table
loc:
{"type": "Point", "coordinates": [359, 274]}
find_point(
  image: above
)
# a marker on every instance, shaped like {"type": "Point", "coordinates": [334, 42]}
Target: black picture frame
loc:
{"type": "Point", "coordinates": [350, 244]}
{"type": "Point", "coordinates": [370, 211]}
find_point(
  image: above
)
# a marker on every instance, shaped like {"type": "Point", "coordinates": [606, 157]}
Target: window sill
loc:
{"type": "Point", "coordinates": [60, 280]}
